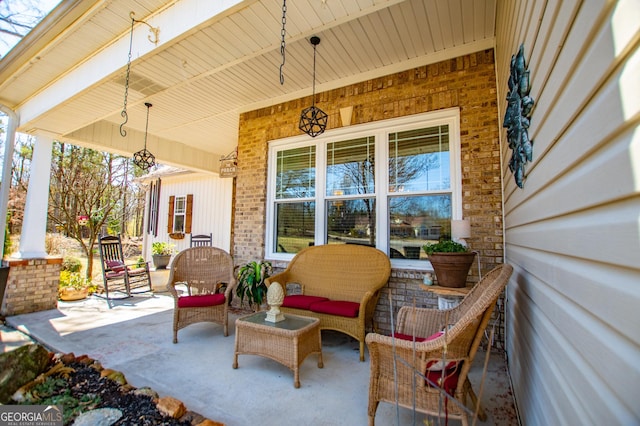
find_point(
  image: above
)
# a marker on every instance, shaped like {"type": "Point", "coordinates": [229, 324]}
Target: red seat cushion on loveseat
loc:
{"type": "Point", "coordinates": [200, 301]}
{"type": "Point", "coordinates": [300, 301]}
{"type": "Point", "coordinates": [336, 307]}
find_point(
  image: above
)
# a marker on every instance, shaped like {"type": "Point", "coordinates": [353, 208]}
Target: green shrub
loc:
{"type": "Point", "coordinates": [72, 279]}
{"type": "Point", "coordinates": [76, 281]}
{"type": "Point", "coordinates": [7, 237]}
{"type": "Point", "coordinates": [445, 246]}
{"type": "Point", "coordinates": [71, 264]}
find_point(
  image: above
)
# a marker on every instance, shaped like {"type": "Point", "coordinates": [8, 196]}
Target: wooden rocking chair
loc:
{"type": "Point", "coordinates": [119, 276]}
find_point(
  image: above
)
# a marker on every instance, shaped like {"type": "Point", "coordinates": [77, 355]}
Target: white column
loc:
{"type": "Point", "coordinates": [9, 142]}
{"type": "Point", "coordinates": [34, 224]}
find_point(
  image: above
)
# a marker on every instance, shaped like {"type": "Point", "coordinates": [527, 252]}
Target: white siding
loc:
{"type": "Point", "coordinates": [573, 233]}
{"type": "Point", "coordinates": [212, 202]}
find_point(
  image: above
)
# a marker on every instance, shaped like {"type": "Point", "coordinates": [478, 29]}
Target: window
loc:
{"type": "Point", "coordinates": [393, 184]}
{"type": "Point", "coordinates": [180, 212]}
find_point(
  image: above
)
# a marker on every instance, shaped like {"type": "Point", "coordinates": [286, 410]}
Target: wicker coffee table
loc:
{"type": "Point", "coordinates": [287, 342]}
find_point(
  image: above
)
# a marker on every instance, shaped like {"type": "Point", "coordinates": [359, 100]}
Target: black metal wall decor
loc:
{"type": "Point", "coordinates": [313, 121]}
{"type": "Point", "coordinates": [143, 158]}
{"type": "Point", "coordinates": [517, 115]}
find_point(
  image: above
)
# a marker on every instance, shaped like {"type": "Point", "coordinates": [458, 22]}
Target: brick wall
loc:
{"type": "Point", "coordinates": [467, 82]}
{"type": "Point", "coordinates": [32, 286]}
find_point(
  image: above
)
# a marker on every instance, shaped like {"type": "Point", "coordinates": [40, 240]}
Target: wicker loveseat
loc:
{"type": "Point", "coordinates": [340, 285]}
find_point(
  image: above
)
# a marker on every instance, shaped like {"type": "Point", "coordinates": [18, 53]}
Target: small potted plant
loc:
{"type": "Point", "coordinates": [251, 283]}
{"type": "Point", "coordinates": [73, 286]}
{"type": "Point", "coordinates": [161, 253]}
{"type": "Point", "coordinates": [451, 262]}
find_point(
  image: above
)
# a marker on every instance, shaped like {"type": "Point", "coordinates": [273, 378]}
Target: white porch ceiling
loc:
{"type": "Point", "coordinates": [204, 73]}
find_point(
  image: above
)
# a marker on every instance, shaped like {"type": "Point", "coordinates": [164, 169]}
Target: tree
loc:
{"type": "Point", "coordinates": [18, 17]}
{"type": "Point", "coordinates": [86, 184]}
{"type": "Point", "coordinates": [19, 181]}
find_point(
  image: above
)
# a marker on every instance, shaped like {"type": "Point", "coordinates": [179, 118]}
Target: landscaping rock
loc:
{"type": "Point", "coordinates": [98, 417]}
{"type": "Point", "coordinates": [19, 367]}
{"type": "Point", "coordinates": [171, 407]}
{"type": "Point", "coordinates": [147, 391]}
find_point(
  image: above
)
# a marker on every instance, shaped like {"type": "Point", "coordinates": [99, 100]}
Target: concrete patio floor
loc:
{"type": "Point", "coordinates": [135, 337]}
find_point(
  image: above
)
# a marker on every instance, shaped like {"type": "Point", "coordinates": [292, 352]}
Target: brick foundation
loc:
{"type": "Point", "coordinates": [32, 286]}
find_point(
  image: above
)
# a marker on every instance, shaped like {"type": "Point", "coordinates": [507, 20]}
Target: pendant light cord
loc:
{"type": "Point", "coordinates": [146, 127]}
{"type": "Point", "coordinates": [313, 101]}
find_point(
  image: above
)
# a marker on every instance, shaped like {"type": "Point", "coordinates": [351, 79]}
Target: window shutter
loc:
{"type": "Point", "coordinates": [152, 193]}
{"type": "Point", "coordinates": [187, 225]}
{"type": "Point", "coordinates": [172, 201]}
{"type": "Point", "coordinates": [156, 214]}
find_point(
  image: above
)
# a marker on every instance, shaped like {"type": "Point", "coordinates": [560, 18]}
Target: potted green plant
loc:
{"type": "Point", "coordinates": [451, 262]}
{"type": "Point", "coordinates": [161, 253]}
{"type": "Point", "coordinates": [74, 286]}
{"type": "Point", "coordinates": [251, 285]}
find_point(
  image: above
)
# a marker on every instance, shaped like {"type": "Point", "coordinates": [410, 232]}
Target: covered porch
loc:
{"type": "Point", "coordinates": [212, 77]}
{"type": "Point", "coordinates": [135, 337]}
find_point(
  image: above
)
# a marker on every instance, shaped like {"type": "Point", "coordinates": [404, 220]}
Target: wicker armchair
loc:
{"type": "Point", "coordinates": [398, 364]}
{"type": "Point", "coordinates": [201, 281]}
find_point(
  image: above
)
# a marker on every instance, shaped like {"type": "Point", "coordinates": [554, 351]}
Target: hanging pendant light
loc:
{"type": "Point", "coordinates": [143, 158]}
{"type": "Point", "coordinates": [313, 121]}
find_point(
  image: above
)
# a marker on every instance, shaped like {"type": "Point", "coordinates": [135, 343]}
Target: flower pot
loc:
{"type": "Point", "coordinates": [161, 261]}
{"type": "Point", "coordinates": [69, 293]}
{"type": "Point", "coordinates": [452, 268]}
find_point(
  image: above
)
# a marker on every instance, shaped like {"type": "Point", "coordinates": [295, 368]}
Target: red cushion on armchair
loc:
{"type": "Point", "coordinates": [447, 381]}
{"type": "Point", "coordinates": [201, 301]}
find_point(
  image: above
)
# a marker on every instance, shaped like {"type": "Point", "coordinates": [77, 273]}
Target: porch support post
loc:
{"type": "Point", "coordinates": [34, 224]}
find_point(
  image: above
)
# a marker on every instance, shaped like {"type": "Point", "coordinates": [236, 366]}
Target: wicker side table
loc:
{"type": "Point", "coordinates": [287, 342]}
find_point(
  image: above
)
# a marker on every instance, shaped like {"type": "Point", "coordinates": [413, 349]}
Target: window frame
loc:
{"type": "Point", "coordinates": [183, 213]}
{"type": "Point", "coordinates": [380, 130]}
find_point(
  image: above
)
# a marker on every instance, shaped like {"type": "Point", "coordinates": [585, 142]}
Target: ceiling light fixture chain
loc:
{"type": "Point", "coordinates": [313, 121]}
{"type": "Point", "coordinates": [124, 114]}
{"type": "Point", "coordinates": [283, 44]}
{"type": "Point", "coordinates": [143, 158]}
{"type": "Point", "coordinates": [154, 40]}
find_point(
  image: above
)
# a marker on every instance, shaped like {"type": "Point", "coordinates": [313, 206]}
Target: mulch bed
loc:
{"type": "Point", "coordinates": [83, 389]}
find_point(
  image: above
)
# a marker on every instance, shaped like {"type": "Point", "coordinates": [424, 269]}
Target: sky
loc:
{"type": "Point", "coordinates": [24, 8]}
{"type": "Point", "coordinates": [7, 42]}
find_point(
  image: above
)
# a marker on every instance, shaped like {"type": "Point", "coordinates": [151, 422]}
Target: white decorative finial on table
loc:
{"type": "Point", "coordinates": [275, 296]}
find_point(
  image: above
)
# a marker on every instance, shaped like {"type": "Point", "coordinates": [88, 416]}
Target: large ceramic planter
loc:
{"type": "Point", "coordinates": [161, 261]}
{"type": "Point", "coordinates": [452, 268]}
{"type": "Point", "coordinates": [68, 294]}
